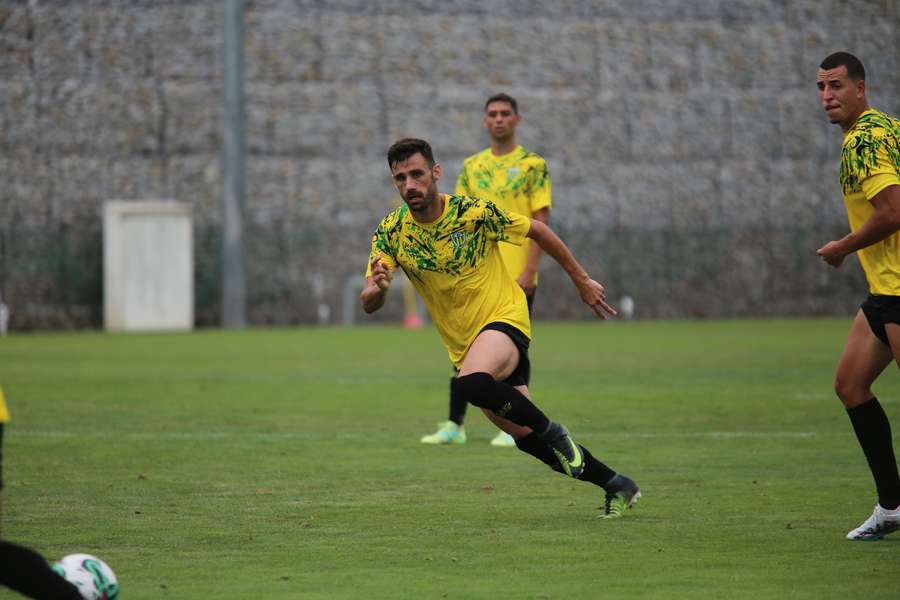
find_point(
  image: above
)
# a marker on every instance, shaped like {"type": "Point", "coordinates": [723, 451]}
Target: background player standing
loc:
{"type": "Point", "coordinates": [518, 181]}
{"type": "Point", "coordinates": [870, 181]}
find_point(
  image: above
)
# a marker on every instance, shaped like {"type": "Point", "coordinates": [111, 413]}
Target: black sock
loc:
{"type": "Point", "coordinates": [458, 405]}
{"type": "Point", "coordinates": [533, 444]}
{"type": "Point", "coordinates": [519, 409]}
{"type": "Point", "coordinates": [502, 399]}
{"type": "Point", "coordinates": [594, 471]}
{"type": "Point", "coordinates": [26, 571]}
{"type": "Point", "coordinates": [873, 430]}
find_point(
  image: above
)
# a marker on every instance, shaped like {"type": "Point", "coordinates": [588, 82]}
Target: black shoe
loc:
{"type": "Point", "coordinates": [569, 454]}
{"type": "Point", "coordinates": [621, 494]}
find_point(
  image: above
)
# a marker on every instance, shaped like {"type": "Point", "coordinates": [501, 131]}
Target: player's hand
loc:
{"type": "Point", "coordinates": [381, 274]}
{"type": "Point", "coordinates": [594, 296]}
{"type": "Point", "coordinates": [832, 253]}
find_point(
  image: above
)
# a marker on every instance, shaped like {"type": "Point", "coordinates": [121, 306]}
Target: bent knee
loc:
{"type": "Point", "coordinates": [851, 393]}
{"type": "Point", "coordinates": [475, 388]}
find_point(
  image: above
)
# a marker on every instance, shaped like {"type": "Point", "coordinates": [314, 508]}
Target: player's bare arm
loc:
{"type": "Point", "coordinates": [884, 222]}
{"type": "Point", "coordinates": [526, 278]}
{"type": "Point", "coordinates": [375, 291]}
{"type": "Point", "coordinates": [592, 292]}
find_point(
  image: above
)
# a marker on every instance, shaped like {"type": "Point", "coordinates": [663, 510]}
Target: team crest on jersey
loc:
{"type": "Point", "coordinates": [458, 239]}
{"type": "Point", "coordinates": [513, 172]}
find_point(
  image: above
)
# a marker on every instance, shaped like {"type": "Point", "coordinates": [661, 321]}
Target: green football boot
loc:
{"type": "Point", "coordinates": [448, 433]}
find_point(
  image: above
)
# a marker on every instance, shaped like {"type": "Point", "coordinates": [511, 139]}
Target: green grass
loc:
{"type": "Point", "coordinates": [286, 464]}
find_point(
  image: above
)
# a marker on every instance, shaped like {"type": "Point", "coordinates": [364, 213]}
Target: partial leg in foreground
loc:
{"type": "Point", "coordinates": [864, 358]}
{"type": "Point", "coordinates": [621, 491]}
{"type": "Point", "coordinates": [26, 571]}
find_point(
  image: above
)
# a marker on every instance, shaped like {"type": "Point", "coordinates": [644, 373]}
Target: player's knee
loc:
{"type": "Point", "coordinates": [477, 389]}
{"type": "Point", "coordinates": [842, 388]}
{"type": "Point", "coordinates": [850, 391]}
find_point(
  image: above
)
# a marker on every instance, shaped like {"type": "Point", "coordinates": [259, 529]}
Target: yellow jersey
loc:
{"type": "Point", "coordinates": [455, 265]}
{"type": "Point", "coordinates": [4, 412]}
{"type": "Point", "coordinates": [518, 182]}
{"type": "Point", "coordinates": [870, 162]}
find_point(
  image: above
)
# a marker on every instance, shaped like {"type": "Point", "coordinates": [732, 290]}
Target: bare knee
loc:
{"type": "Point", "coordinates": [851, 392]}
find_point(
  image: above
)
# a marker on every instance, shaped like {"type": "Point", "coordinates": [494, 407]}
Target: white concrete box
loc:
{"type": "Point", "coordinates": [148, 266]}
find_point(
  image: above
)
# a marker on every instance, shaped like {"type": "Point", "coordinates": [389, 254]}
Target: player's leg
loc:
{"type": "Point", "coordinates": [505, 439]}
{"type": "Point", "coordinates": [507, 426]}
{"type": "Point", "coordinates": [492, 358]}
{"type": "Point", "coordinates": [889, 498]}
{"type": "Point", "coordinates": [621, 491]}
{"type": "Point", "coordinates": [864, 358]}
{"type": "Point", "coordinates": [26, 571]}
{"type": "Point", "coordinates": [484, 381]}
{"type": "Point", "coordinates": [495, 363]}
{"type": "Point", "coordinates": [872, 425]}
{"type": "Point", "coordinates": [498, 359]}
{"type": "Point", "coordinates": [452, 430]}
{"type": "Point", "coordinates": [866, 355]}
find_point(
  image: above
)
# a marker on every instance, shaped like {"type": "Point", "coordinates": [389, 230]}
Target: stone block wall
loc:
{"type": "Point", "coordinates": [693, 168]}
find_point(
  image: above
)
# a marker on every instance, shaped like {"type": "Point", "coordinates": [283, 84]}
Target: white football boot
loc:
{"type": "Point", "coordinates": [881, 523]}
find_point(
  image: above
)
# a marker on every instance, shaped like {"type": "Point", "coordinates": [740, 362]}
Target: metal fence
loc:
{"type": "Point", "coordinates": [53, 277]}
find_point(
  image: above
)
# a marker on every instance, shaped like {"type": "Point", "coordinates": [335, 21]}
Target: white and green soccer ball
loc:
{"type": "Point", "coordinates": [93, 577]}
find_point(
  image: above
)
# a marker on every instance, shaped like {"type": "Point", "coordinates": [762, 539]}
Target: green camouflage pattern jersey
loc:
{"type": "Point", "coordinates": [517, 182]}
{"type": "Point", "coordinates": [455, 265]}
{"type": "Point", "coordinates": [870, 162]}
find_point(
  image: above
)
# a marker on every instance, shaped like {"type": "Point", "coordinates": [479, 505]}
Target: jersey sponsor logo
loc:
{"type": "Point", "coordinates": [513, 172]}
{"type": "Point", "coordinates": [458, 239]}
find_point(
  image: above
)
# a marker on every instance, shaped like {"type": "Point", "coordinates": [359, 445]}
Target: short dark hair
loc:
{"type": "Point", "coordinates": [403, 149]}
{"type": "Point", "coordinates": [855, 69]}
{"type": "Point", "coordinates": [501, 97]}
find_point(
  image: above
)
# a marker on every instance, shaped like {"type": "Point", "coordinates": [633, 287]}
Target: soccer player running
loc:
{"type": "Point", "coordinates": [23, 569]}
{"type": "Point", "coordinates": [448, 247]}
{"type": "Point", "coordinates": [518, 181]}
{"type": "Point", "coordinates": [870, 181]}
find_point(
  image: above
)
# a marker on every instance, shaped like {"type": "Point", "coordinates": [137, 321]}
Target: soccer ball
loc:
{"type": "Point", "coordinates": [93, 577]}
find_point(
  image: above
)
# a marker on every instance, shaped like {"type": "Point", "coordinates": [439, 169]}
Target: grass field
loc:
{"type": "Point", "coordinates": [286, 464]}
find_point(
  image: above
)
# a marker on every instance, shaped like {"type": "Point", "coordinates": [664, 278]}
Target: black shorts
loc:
{"type": "Point", "coordinates": [880, 310]}
{"type": "Point", "coordinates": [521, 375]}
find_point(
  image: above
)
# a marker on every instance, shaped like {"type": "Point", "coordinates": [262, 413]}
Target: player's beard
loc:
{"type": "Point", "coordinates": [427, 200]}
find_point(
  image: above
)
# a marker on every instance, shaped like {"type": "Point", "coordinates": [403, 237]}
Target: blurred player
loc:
{"type": "Point", "coordinates": [23, 569]}
{"type": "Point", "coordinates": [870, 181]}
{"type": "Point", "coordinates": [448, 247]}
{"type": "Point", "coordinates": [516, 180]}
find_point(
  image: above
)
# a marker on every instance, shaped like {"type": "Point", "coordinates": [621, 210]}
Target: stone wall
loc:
{"type": "Point", "coordinates": [693, 168]}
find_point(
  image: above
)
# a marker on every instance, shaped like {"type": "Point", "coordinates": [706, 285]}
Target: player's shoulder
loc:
{"type": "Point", "coordinates": [477, 157]}
{"type": "Point", "coordinates": [533, 163]}
{"type": "Point", "coordinates": [474, 209]}
{"type": "Point", "coordinates": [872, 126]}
{"type": "Point", "coordinates": [461, 204]}
{"type": "Point", "coordinates": [531, 157]}
{"type": "Point", "coordinates": [393, 220]}
{"type": "Point", "coordinates": [873, 118]}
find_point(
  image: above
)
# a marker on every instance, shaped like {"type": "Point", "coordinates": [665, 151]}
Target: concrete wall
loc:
{"type": "Point", "coordinates": [693, 168]}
